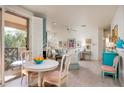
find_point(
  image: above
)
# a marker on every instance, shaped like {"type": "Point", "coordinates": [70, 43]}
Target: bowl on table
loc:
{"type": "Point", "coordinates": [38, 60]}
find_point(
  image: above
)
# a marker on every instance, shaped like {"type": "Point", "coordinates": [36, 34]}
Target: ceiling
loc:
{"type": "Point", "coordinates": [62, 16]}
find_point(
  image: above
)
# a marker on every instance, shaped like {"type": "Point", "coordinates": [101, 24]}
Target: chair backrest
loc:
{"type": "Point", "coordinates": [116, 61]}
{"type": "Point", "coordinates": [53, 51]}
{"type": "Point", "coordinates": [26, 56]}
{"type": "Point", "coordinates": [64, 67]}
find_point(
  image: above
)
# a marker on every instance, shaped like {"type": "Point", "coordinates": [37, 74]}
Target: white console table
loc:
{"type": "Point", "coordinates": [121, 66]}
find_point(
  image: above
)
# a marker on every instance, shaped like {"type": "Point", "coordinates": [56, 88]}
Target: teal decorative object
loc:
{"type": "Point", "coordinates": [38, 61]}
{"type": "Point", "coordinates": [119, 43]}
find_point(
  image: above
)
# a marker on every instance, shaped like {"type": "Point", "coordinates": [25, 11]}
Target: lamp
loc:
{"type": "Point", "coordinates": [111, 44]}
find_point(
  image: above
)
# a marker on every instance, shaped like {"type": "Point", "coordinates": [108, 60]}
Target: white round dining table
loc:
{"type": "Point", "coordinates": [47, 65]}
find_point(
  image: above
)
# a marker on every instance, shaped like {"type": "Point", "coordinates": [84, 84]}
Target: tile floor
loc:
{"type": "Point", "coordinates": [89, 75]}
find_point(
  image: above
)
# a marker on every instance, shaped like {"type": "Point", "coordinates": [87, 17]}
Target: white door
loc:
{"type": "Point", "coordinates": [37, 36]}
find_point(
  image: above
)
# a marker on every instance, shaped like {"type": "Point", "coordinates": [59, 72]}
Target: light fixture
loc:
{"type": "Point", "coordinates": [54, 23]}
{"type": "Point", "coordinates": [68, 28]}
{"type": "Point", "coordinates": [83, 25]}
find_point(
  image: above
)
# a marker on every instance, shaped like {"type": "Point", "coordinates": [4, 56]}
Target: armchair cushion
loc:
{"type": "Point", "coordinates": [108, 68]}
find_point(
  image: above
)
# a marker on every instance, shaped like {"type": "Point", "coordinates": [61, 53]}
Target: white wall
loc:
{"type": "Point", "coordinates": [118, 19]}
{"type": "Point", "coordinates": [100, 43]}
{"type": "Point", "coordinates": [91, 31]}
{"type": "Point", "coordinates": [37, 36]}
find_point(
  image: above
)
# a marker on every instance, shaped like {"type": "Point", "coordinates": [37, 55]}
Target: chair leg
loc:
{"type": "Point", "coordinates": [12, 68]}
{"type": "Point", "coordinates": [21, 79]}
{"type": "Point", "coordinates": [43, 83]}
{"type": "Point", "coordinates": [59, 85]}
{"type": "Point", "coordinates": [67, 81]}
{"type": "Point", "coordinates": [115, 75]}
{"type": "Point", "coordinates": [102, 74]}
{"type": "Point", "coordinates": [28, 79]}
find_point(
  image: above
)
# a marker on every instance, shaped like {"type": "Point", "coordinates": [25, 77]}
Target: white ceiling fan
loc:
{"type": "Point", "coordinates": [74, 28]}
{"type": "Point", "coordinates": [69, 28]}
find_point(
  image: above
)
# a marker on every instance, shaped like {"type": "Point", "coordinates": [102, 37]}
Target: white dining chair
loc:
{"type": "Point", "coordinates": [26, 56]}
{"type": "Point", "coordinates": [58, 77]}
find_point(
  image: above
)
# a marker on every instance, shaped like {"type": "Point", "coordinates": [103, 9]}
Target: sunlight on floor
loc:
{"type": "Point", "coordinates": [8, 77]}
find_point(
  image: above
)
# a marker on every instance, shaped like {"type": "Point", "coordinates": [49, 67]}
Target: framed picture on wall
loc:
{"type": "Point", "coordinates": [88, 41]}
{"type": "Point", "coordinates": [78, 44]}
{"type": "Point", "coordinates": [71, 43]}
{"type": "Point", "coordinates": [115, 33]}
{"type": "Point", "coordinates": [60, 43]}
{"type": "Point", "coordinates": [64, 44]}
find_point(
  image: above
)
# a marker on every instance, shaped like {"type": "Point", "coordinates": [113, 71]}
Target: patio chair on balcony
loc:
{"type": "Point", "coordinates": [14, 56]}
{"type": "Point", "coordinates": [17, 63]}
{"type": "Point", "coordinates": [11, 58]}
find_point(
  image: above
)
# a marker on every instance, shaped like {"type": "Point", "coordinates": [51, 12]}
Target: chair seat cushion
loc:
{"type": "Point", "coordinates": [108, 68]}
{"type": "Point", "coordinates": [53, 76]}
{"type": "Point", "coordinates": [17, 63]}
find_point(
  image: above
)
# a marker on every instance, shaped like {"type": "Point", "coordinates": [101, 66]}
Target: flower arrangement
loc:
{"type": "Point", "coordinates": [38, 60]}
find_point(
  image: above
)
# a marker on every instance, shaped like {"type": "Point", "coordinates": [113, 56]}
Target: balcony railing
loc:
{"type": "Point", "coordinates": [11, 55]}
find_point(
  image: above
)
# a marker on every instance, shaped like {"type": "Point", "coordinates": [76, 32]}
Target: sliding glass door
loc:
{"type": "Point", "coordinates": [1, 48]}
{"type": "Point", "coordinates": [15, 41]}
{"type": "Point", "coordinates": [14, 38]}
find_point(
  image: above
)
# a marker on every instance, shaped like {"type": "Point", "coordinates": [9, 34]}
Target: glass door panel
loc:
{"type": "Point", "coordinates": [15, 40]}
{"type": "Point", "coordinates": [1, 49]}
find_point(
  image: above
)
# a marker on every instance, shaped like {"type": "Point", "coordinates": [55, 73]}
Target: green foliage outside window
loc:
{"type": "Point", "coordinates": [15, 38]}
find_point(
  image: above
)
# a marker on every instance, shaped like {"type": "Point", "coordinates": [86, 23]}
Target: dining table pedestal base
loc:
{"type": "Point", "coordinates": [40, 76]}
